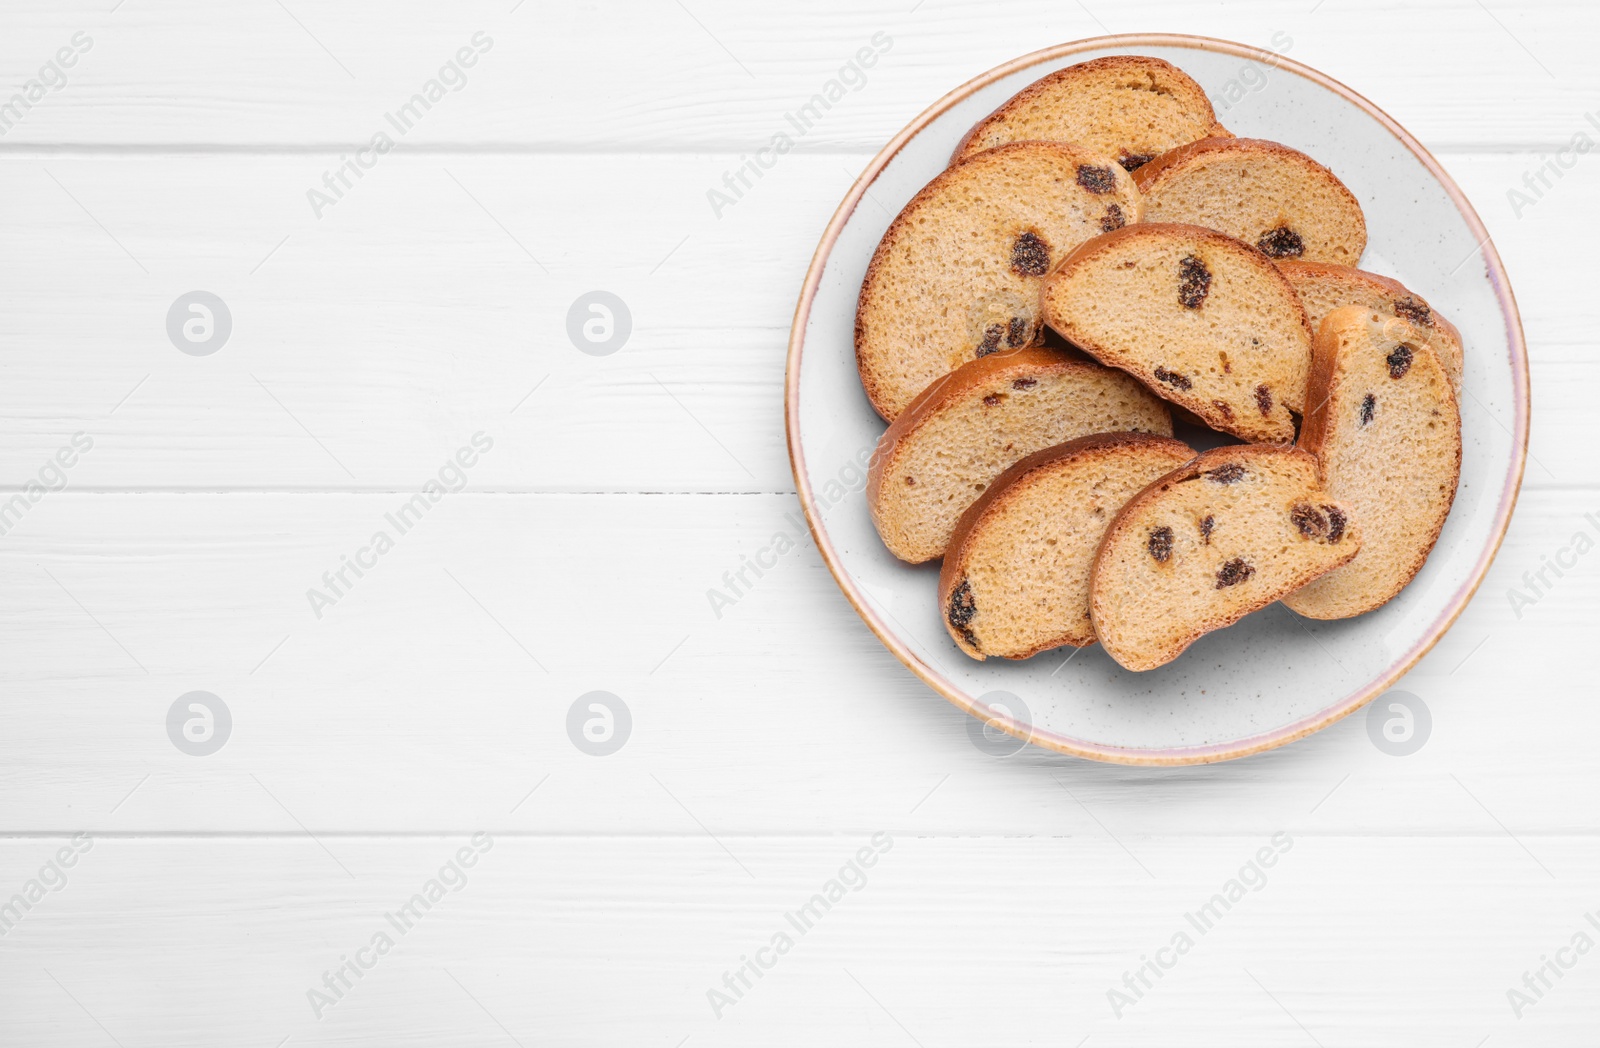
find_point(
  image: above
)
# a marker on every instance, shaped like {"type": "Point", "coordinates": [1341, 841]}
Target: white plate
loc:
{"type": "Point", "coordinates": [1273, 677]}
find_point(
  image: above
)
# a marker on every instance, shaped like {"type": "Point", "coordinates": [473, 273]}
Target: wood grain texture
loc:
{"type": "Point", "coordinates": [409, 317]}
{"type": "Point", "coordinates": [603, 941]}
{"type": "Point", "coordinates": [772, 736]}
{"type": "Point", "coordinates": [437, 690]}
{"type": "Point", "coordinates": [710, 74]}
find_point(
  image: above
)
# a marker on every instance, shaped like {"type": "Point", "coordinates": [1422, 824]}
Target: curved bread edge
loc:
{"type": "Point", "coordinates": [1086, 251]}
{"type": "Point", "coordinates": [1045, 83]}
{"type": "Point", "coordinates": [1071, 152]}
{"type": "Point", "coordinates": [1314, 435]}
{"type": "Point", "coordinates": [1205, 461]}
{"type": "Point", "coordinates": [998, 493]}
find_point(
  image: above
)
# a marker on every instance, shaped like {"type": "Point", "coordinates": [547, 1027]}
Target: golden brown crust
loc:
{"type": "Point", "coordinates": [1324, 362]}
{"type": "Point", "coordinates": [1319, 383]}
{"type": "Point", "coordinates": [1206, 460]}
{"type": "Point", "coordinates": [1095, 66]}
{"type": "Point", "coordinates": [1094, 245]}
{"type": "Point", "coordinates": [869, 377]}
{"type": "Point", "coordinates": [1202, 462]}
{"type": "Point", "coordinates": [1209, 414]}
{"type": "Point", "coordinates": [1000, 491]}
{"type": "Point", "coordinates": [1439, 325]}
{"type": "Point", "coordinates": [1147, 173]}
{"type": "Point", "coordinates": [1300, 266]}
{"type": "Point", "coordinates": [1315, 431]}
{"type": "Point", "coordinates": [952, 386]}
{"type": "Point", "coordinates": [1151, 176]}
{"type": "Point", "coordinates": [1452, 332]}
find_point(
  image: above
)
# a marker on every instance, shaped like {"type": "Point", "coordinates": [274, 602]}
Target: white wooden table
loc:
{"type": "Point", "coordinates": [624, 899]}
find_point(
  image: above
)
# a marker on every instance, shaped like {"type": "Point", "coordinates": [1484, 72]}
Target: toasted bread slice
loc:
{"type": "Point", "coordinates": [1266, 194]}
{"type": "Point", "coordinates": [1324, 287]}
{"type": "Point", "coordinates": [1199, 317]}
{"type": "Point", "coordinates": [1015, 579]}
{"type": "Point", "coordinates": [1385, 427]}
{"type": "Point", "coordinates": [956, 276]}
{"type": "Point", "coordinates": [1234, 530]}
{"type": "Point", "coordinates": [1127, 107]}
{"type": "Point", "coordinates": [963, 431]}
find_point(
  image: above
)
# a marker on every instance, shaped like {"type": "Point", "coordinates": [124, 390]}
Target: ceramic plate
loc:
{"type": "Point", "coordinates": [1273, 677]}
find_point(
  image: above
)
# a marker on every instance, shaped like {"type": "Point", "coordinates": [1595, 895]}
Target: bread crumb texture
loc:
{"type": "Point", "coordinates": [1274, 198]}
{"type": "Point", "coordinates": [1016, 578]}
{"type": "Point", "coordinates": [1128, 107]}
{"type": "Point", "coordinates": [1205, 321]}
{"type": "Point", "coordinates": [937, 459]}
{"type": "Point", "coordinates": [957, 274]}
{"type": "Point", "coordinates": [1232, 531]}
{"type": "Point", "coordinates": [1324, 287]}
{"type": "Point", "coordinates": [1387, 431]}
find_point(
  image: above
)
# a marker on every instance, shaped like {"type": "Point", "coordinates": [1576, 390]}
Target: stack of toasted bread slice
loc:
{"type": "Point", "coordinates": [1036, 316]}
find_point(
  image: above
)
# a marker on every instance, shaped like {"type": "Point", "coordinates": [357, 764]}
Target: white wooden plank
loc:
{"type": "Point", "coordinates": [769, 743]}
{"type": "Point", "coordinates": [435, 693]}
{"type": "Point", "coordinates": [722, 74]}
{"type": "Point", "coordinates": [1343, 940]}
{"type": "Point", "coordinates": [409, 317]}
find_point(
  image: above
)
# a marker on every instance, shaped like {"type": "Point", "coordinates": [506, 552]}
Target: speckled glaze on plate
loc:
{"type": "Point", "coordinates": [1272, 678]}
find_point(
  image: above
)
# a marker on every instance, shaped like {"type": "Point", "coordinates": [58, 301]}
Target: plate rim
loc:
{"type": "Point", "coordinates": [1176, 756]}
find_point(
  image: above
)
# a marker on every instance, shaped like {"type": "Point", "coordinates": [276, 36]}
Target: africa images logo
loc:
{"type": "Point", "coordinates": [451, 877]}
{"type": "Point", "coordinates": [851, 877]}
{"type": "Point", "coordinates": [852, 75]}
{"type": "Point", "coordinates": [450, 478]}
{"type": "Point", "coordinates": [452, 77]}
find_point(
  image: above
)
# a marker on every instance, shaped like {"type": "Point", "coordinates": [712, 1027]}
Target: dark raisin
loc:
{"type": "Point", "coordinates": [1096, 179]}
{"type": "Point", "coordinates": [1400, 360]}
{"type": "Point", "coordinates": [1282, 242]}
{"type": "Point", "coordinates": [992, 399]}
{"type": "Point", "coordinates": [1264, 399]}
{"type": "Point", "coordinates": [1228, 473]}
{"type": "Point", "coordinates": [1233, 573]}
{"type": "Point", "coordinates": [1030, 255]}
{"type": "Point", "coordinates": [1016, 332]}
{"type": "Point", "coordinates": [1024, 383]}
{"type": "Point", "coordinates": [1414, 311]}
{"type": "Point", "coordinates": [1160, 544]}
{"type": "Point", "coordinates": [991, 339]}
{"type": "Point", "coordinates": [1134, 161]}
{"type": "Point", "coordinates": [911, 481]}
{"type": "Point", "coordinates": [1309, 521]}
{"type": "Point", "coordinates": [1369, 408]}
{"type": "Point", "coordinates": [962, 606]}
{"type": "Point", "coordinates": [1114, 219]}
{"type": "Point", "coordinates": [1336, 523]}
{"type": "Point", "coordinates": [1225, 408]}
{"type": "Point", "coordinates": [1194, 282]}
{"type": "Point", "coordinates": [1173, 379]}
{"type": "Point", "coordinates": [1206, 527]}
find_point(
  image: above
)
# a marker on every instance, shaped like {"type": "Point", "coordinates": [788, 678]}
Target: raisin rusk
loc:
{"type": "Point", "coordinates": [956, 276]}
{"type": "Point", "coordinates": [1015, 578]}
{"type": "Point", "coordinates": [1205, 321]}
{"type": "Point", "coordinates": [1324, 287]}
{"type": "Point", "coordinates": [1276, 199]}
{"type": "Point", "coordinates": [967, 428]}
{"type": "Point", "coordinates": [1221, 536]}
{"type": "Point", "coordinates": [1129, 107]}
{"type": "Point", "coordinates": [1386, 427]}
